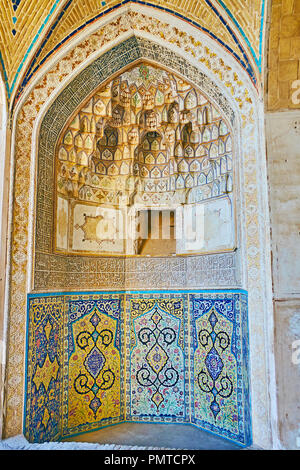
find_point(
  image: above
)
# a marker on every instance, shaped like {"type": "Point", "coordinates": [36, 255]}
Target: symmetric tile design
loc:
{"type": "Point", "coordinates": [203, 271]}
{"type": "Point", "coordinates": [178, 358]}
{"type": "Point", "coordinates": [44, 368]}
{"type": "Point", "coordinates": [157, 358]}
{"type": "Point", "coordinates": [220, 364]}
{"type": "Point", "coordinates": [93, 369]}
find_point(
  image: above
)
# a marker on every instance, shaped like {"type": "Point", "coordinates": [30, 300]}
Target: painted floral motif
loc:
{"type": "Point", "coordinates": [94, 380]}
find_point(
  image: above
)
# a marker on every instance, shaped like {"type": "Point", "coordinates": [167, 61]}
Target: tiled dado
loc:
{"type": "Point", "coordinates": [97, 359]}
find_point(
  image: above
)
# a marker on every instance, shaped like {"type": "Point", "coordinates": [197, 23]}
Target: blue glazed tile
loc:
{"type": "Point", "coordinates": [220, 363]}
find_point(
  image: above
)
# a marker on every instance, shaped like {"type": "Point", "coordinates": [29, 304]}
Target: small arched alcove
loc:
{"type": "Point", "coordinates": [160, 338]}
{"type": "Point", "coordinates": [140, 176]}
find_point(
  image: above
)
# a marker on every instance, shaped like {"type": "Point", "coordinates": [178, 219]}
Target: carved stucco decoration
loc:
{"type": "Point", "coordinates": [253, 200]}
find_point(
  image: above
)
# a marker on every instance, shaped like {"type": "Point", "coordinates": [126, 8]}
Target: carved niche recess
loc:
{"type": "Point", "coordinates": [147, 140]}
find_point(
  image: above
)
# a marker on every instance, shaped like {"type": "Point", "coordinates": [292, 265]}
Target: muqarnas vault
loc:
{"type": "Point", "coordinates": [94, 360]}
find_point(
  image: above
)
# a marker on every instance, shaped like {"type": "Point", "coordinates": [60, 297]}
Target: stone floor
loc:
{"type": "Point", "coordinates": [169, 436]}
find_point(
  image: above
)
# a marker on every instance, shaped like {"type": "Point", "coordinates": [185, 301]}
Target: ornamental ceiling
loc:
{"type": "Point", "coordinates": [32, 31]}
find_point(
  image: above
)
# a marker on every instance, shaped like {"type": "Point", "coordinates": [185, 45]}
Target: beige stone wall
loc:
{"type": "Point", "coordinates": [4, 188]}
{"type": "Point", "coordinates": [284, 54]}
{"type": "Point", "coordinates": [283, 152]}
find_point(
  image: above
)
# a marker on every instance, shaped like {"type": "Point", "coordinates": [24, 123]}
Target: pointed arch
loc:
{"type": "Point", "coordinates": [51, 127]}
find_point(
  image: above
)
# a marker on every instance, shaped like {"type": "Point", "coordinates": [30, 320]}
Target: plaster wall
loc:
{"type": "Point", "coordinates": [283, 60]}
{"type": "Point", "coordinates": [283, 150]}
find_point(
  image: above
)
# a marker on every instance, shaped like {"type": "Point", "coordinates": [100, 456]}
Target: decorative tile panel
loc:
{"type": "Point", "coordinates": [220, 364]}
{"type": "Point", "coordinates": [44, 368]}
{"type": "Point", "coordinates": [93, 370]}
{"type": "Point", "coordinates": [95, 360]}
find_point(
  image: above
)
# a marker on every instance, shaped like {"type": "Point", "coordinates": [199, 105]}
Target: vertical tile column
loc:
{"type": "Point", "coordinates": [75, 365]}
{"type": "Point", "coordinates": [44, 368]}
{"type": "Point", "coordinates": [219, 364]}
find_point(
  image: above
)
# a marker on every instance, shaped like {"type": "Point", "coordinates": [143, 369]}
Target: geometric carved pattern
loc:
{"type": "Point", "coordinates": [96, 363]}
{"type": "Point", "coordinates": [113, 273]}
{"type": "Point", "coordinates": [179, 358]}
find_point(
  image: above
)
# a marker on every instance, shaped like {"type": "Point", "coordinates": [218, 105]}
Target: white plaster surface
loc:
{"type": "Point", "coordinates": [283, 153]}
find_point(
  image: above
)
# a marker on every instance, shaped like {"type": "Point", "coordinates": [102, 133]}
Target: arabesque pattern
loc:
{"type": "Point", "coordinates": [178, 358]}
{"type": "Point", "coordinates": [158, 365]}
{"type": "Point", "coordinates": [53, 270]}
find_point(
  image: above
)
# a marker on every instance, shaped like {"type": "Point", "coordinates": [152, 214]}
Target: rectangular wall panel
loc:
{"type": "Point", "coordinates": [219, 364]}
{"type": "Point", "coordinates": [98, 359]}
